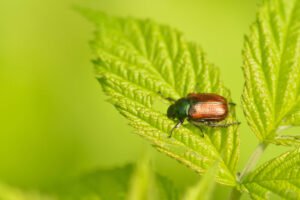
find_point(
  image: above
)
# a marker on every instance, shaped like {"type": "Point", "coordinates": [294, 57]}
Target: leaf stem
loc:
{"type": "Point", "coordinates": [235, 194]}
{"type": "Point", "coordinates": [253, 160]}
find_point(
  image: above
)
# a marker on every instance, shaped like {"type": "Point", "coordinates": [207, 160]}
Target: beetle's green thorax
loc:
{"type": "Point", "coordinates": [179, 110]}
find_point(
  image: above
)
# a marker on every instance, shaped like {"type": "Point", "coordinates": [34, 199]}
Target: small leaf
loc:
{"type": "Point", "coordinates": [203, 190]}
{"type": "Point", "coordinates": [98, 185]}
{"type": "Point", "coordinates": [272, 67]}
{"type": "Point", "coordinates": [280, 176]}
{"type": "Point", "coordinates": [138, 63]}
{"type": "Point", "coordinates": [286, 140]}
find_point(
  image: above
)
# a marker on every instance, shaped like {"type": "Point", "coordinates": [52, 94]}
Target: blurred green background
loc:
{"type": "Point", "coordinates": [55, 122]}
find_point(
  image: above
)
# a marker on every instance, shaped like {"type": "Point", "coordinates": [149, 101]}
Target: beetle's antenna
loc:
{"type": "Point", "coordinates": [232, 104]}
{"type": "Point", "coordinates": [176, 126]}
{"type": "Point", "coordinates": [171, 100]}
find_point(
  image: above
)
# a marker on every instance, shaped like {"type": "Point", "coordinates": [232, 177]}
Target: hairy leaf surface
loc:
{"type": "Point", "coordinates": [286, 140]}
{"type": "Point", "coordinates": [138, 63]}
{"type": "Point", "coordinates": [293, 120]}
{"type": "Point", "coordinates": [271, 67]}
{"type": "Point", "coordinates": [280, 176]}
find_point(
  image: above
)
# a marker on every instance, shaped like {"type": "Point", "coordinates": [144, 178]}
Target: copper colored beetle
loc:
{"type": "Point", "coordinates": [203, 108]}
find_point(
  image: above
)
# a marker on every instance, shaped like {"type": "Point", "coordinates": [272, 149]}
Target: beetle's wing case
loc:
{"type": "Point", "coordinates": [207, 107]}
{"type": "Point", "coordinates": [204, 97]}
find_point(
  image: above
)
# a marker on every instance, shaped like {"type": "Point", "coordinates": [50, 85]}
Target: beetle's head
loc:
{"type": "Point", "coordinates": [179, 110]}
{"type": "Point", "coordinates": [171, 113]}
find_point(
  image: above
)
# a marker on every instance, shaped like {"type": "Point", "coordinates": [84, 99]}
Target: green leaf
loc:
{"type": "Point", "coordinates": [140, 63]}
{"type": "Point", "coordinates": [147, 185]}
{"type": "Point", "coordinates": [129, 182]}
{"type": "Point", "coordinates": [101, 184]}
{"type": "Point", "coordinates": [280, 176]}
{"type": "Point", "coordinates": [286, 140]}
{"type": "Point", "coordinates": [271, 67]}
{"type": "Point", "coordinates": [293, 120]}
{"type": "Point", "coordinates": [203, 190]}
{"type": "Point", "coordinates": [11, 193]}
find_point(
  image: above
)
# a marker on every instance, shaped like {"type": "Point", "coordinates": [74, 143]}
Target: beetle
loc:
{"type": "Point", "coordinates": [204, 108]}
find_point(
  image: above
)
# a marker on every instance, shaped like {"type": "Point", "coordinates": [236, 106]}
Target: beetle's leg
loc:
{"type": "Point", "coordinates": [197, 124]}
{"type": "Point", "coordinates": [200, 128]}
{"type": "Point", "coordinates": [212, 124]}
{"type": "Point", "coordinates": [176, 126]}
